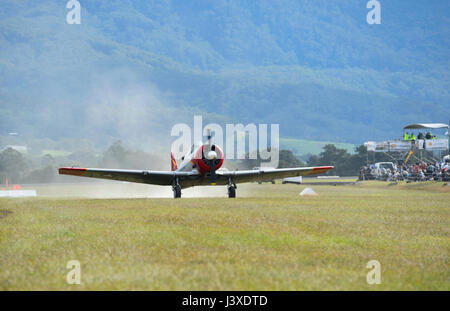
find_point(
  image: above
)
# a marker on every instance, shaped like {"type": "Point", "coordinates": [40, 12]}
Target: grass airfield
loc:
{"type": "Point", "coordinates": [269, 238]}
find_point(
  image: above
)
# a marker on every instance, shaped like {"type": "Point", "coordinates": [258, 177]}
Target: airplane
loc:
{"type": "Point", "coordinates": [201, 166]}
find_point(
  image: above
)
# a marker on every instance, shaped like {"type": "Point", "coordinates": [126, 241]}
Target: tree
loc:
{"type": "Point", "coordinates": [114, 156]}
{"type": "Point", "coordinates": [288, 159]}
{"type": "Point", "coordinates": [339, 158]}
{"type": "Point", "coordinates": [47, 160]}
{"type": "Point", "coordinates": [13, 165]}
{"type": "Point", "coordinates": [332, 156]}
{"type": "Point", "coordinates": [118, 157]}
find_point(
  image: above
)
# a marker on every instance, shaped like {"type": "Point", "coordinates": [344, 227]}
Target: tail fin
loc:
{"type": "Point", "coordinates": [173, 162]}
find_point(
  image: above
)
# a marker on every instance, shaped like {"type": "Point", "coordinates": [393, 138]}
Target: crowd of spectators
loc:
{"type": "Point", "coordinates": [419, 171]}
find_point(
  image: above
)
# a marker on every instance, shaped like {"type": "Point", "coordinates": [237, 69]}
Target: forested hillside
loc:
{"type": "Point", "coordinates": [134, 68]}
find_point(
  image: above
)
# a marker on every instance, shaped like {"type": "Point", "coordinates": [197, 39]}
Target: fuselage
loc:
{"type": "Point", "coordinates": [199, 156]}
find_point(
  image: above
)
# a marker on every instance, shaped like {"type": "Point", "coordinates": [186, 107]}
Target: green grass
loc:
{"type": "Point", "coordinates": [269, 239]}
{"type": "Point", "coordinates": [302, 147]}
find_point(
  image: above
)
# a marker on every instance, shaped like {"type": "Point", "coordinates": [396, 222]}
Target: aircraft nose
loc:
{"type": "Point", "coordinates": [211, 155]}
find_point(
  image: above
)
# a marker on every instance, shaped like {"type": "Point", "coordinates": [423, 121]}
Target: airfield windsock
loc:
{"type": "Point", "coordinates": [173, 162]}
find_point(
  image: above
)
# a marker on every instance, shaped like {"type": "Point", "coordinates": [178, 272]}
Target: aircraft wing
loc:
{"type": "Point", "coordinates": [192, 178]}
{"type": "Point", "coordinates": [261, 175]}
{"type": "Point", "coordinates": [163, 178]}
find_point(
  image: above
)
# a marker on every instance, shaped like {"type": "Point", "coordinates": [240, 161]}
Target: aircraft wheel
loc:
{"type": "Point", "coordinates": [177, 192]}
{"type": "Point", "coordinates": [231, 192]}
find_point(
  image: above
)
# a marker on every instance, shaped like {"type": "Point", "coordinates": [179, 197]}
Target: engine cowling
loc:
{"type": "Point", "coordinates": [202, 160]}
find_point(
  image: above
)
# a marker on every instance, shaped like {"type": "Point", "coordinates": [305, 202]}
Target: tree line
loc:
{"type": "Point", "coordinates": [21, 168]}
{"type": "Point", "coordinates": [345, 163]}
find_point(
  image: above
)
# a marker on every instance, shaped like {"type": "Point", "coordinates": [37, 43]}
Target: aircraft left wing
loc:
{"type": "Point", "coordinates": [261, 175]}
{"type": "Point", "coordinates": [163, 178]}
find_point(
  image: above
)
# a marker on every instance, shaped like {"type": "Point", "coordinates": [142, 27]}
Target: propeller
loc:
{"type": "Point", "coordinates": [210, 155]}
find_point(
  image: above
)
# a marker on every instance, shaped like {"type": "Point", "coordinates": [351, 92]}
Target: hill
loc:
{"type": "Point", "coordinates": [132, 69]}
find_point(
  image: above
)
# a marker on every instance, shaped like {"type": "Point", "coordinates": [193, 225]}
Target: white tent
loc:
{"type": "Point", "coordinates": [426, 126]}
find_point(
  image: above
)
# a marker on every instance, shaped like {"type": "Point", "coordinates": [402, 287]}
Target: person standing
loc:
{"type": "Point", "coordinates": [406, 137]}
{"type": "Point", "coordinates": [413, 138]}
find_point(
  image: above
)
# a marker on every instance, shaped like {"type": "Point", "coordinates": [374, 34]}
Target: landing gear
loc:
{"type": "Point", "coordinates": [176, 188]}
{"type": "Point", "coordinates": [177, 192]}
{"type": "Point", "coordinates": [231, 192]}
{"type": "Point", "coordinates": [231, 189]}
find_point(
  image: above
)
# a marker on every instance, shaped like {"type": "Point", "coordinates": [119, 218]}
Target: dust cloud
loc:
{"type": "Point", "coordinates": [125, 190]}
